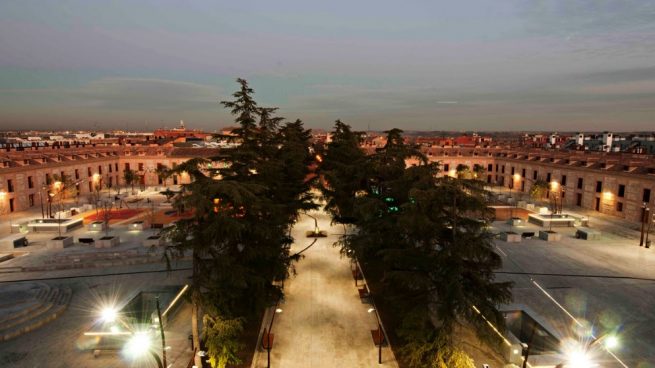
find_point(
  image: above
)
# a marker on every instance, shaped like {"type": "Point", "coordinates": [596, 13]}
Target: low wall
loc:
{"type": "Point", "coordinates": [503, 213]}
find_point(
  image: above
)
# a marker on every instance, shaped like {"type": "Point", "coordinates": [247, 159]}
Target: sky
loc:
{"type": "Point", "coordinates": [478, 65]}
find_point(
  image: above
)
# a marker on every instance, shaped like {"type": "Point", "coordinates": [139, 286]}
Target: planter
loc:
{"type": "Point", "coordinates": [515, 221]}
{"type": "Point", "coordinates": [138, 225]}
{"type": "Point", "coordinates": [97, 226]}
{"type": "Point", "coordinates": [153, 241]}
{"type": "Point", "coordinates": [510, 237]}
{"type": "Point", "coordinates": [107, 242]}
{"type": "Point", "coordinates": [550, 236]}
{"type": "Point", "coordinates": [59, 242]}
{"type": "Point", "coordinates": [587, 234]}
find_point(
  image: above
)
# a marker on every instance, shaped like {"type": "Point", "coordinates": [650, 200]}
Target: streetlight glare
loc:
{"type": "Point", "coordinates": [579, 359]}
{"type": "Point", "coordinates": [138, 345]}
{"type": "Point", "coordinates": [611, 342]}
{"type": "Point", "coordinates": [109, 314]}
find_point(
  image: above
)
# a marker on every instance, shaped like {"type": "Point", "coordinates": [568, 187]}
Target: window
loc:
{"type": "Point", "coordinates": [548, 177]}
{"type": "Point", "coordinates": [77, 174]}
{"type": "Point", "coordinates": [30, 182]}
{"type": "Point", "coordinates": [47, 179]}
{"type": "Point", "coordinates": [174, 179]}
{"type": "Point", "coordinates": [597, 207]}
{"type": "Point", "coordinates": [599, 186]}
{"type": "Point", "coordinates": [116, 166]}
{"type": "Point", "coordinates": [535, 174]}
{"type": "Point", "coordinates": [11, 205]}
{"type": "Point", "coordinates": [30, 199]}
{"type": "Point", "coordinates": [109, 167]}
{"type": "Point", "coordinates": [88, 171]}
{"type": "Point", "coordinates": [127, 166]}
{"type": "Point", "coordinates": [100, 169]}
{"type": "Point", "coordinates": [140, 166]}
{"type": "Point", "coordinates": [446, 167]}
{"type": "Point", "coordinates": [502, 169]}
{"type": "Point", "coordinates": [579, 183]}
{"type": "Point", "coordinates": [523, 173]}
{"type": "Point", "coordinates": [564, 180]}
{"type": "Point", "coordinates": [646, 196]}
{"type": "Point", "coordinates": [619, 206]}
{"type": "Point", "coordinates": [10, 186]}
{"type": "Point", "coordinates": [578, 199]}
{"type": "Point", "coordinates": [490, 167]}
{"type": "Point", "coordinates": [512, 170]}
{"type": "Point", "coordinates": [621, 190]}
{"type": "Point", "coordinates": [496, 167]}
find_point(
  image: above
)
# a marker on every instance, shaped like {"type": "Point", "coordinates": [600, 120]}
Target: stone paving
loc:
{"type": "Point", "coordinates": [324, 323]}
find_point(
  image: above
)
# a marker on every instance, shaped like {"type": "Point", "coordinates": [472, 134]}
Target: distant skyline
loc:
{"type": "Point", "coordinates": [560, 65]}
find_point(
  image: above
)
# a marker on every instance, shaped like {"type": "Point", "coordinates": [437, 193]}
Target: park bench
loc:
{"type": "Point", "coordinates": [86, 240]}
{"type": "Point", "coordinates": [363, 292]}
{"type": "Point", "coordinates": [527, 235]}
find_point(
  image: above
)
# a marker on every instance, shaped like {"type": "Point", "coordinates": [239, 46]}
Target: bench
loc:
{"type": "Point", "coordinates": [363, 292]}
{"type": "Point", "coordinates": [86, 240]}
{"type": "Point", "coordinates": [156, 226]}
{"type": "Point", "coordinates": [527, 235]}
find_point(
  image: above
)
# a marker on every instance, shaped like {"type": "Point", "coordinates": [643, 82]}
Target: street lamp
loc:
{"type": "Point", "coordinates": [645, 215]}
{"type": "Point", "coordinates": [267, 338]}
{"type": "Point", "coordinates": [380, 335]}
{"type": "Point", "coordinates": [139, 345]}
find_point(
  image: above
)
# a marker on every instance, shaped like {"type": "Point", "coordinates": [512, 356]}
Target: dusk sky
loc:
{"type": "Point", "coordinates": [424, 65]}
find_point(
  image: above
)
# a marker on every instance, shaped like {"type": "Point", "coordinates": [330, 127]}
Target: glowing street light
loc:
{"type": "Point", "coordinates": [611, 342]}
{"type": "Point", "coordinates": [108, 314]}
{"type": "Point", "coordinates": [139, 345]}
{"type": "Point", "coordinates": [579, 359]}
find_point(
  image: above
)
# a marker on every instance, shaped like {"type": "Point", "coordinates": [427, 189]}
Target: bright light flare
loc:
{"type": "Point", "coordinates": [611, 342]}
{"type": "Point", "coordinates": [109, 314]}
{"type": "Point", "coordinates": [579, 359]}
{"type": "Point", "coordinates": [138, 345]}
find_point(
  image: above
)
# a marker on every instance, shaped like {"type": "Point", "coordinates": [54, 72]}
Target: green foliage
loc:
{"type": "Point", "coordinates": [434, 351]}
{"type": "Point", "coordinates": [221, 338]}
{"type": "Point", "coordinates": [342, 172]}
{"type": "Point", "coordinates": [463, 171]}
{"type": "Point", "coordinates": [428, 235]}
{"type": "Point", "coordinates": [539, 189]}
{"type": "Point", "coordinates": [130, 178]}
{"type": "Point", "coordinates": [242, 212]}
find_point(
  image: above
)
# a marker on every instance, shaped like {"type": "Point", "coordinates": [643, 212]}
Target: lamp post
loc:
{"type": "Point", "coordinates": [379, 333]}
{"type": "Point", "coordinates": [267, 338]}
{"type": "Point", "coordinates": [644, 217]}
{"type": "Point", "coordinates": [41, 200]}
{"type": "Point", "coordinates": [650, 222]}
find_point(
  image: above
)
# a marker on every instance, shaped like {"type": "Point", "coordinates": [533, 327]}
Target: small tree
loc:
{"type": "Point", "coordinates": [130, 178]}
{"type": "Point", "coordinates": [106, 215]}
{"type": "Point", "coordinates": [478, 171]}
{"type": "Point", "coordinates": [539, 189]}
{"type": "Point", "coordinates": [463, 171]}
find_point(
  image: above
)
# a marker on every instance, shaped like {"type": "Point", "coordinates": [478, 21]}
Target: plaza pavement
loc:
{"type": "Point", "coordinates": [324, 323]}
{"type": "Point", "coordinates": [608, 284]}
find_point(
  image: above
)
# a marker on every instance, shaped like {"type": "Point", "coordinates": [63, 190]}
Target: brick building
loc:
{"type": "Point", "coordinates": [27, 174]}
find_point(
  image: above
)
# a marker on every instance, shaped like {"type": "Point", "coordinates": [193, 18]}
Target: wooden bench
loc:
{"type": "Point", "coordinates": [378, 337]}
{"type": "Point", "coordinates": [363, 292]}
{"type": "Point", "coordinates": [527, 235]}
{"type": "Point", "coordinates": [86, 240]}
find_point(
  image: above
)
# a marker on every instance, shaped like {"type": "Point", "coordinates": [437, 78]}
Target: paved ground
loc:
{"type": "Point", "coordinates": [58, 344]}
{"type": "Point", "coordinates": [609, 284]}
{"type": "Point", "coordinates": [323, 323]}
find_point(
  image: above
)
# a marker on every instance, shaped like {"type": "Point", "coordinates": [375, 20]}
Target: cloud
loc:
{"type": "Point", "coordinates": [146, 94]}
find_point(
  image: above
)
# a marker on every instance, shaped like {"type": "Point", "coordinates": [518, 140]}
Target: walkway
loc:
{"type": "Point", "coordinates": [324, 322]}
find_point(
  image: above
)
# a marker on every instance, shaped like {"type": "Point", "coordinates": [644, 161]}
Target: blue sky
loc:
{"type": "Point", "coordinates": [446, 65]}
